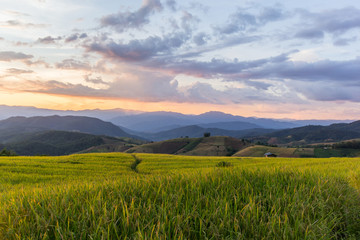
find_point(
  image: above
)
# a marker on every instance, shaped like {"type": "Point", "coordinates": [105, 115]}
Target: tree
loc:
{"type": "Point", "coordinates": [207, 134]}
{"type": "Point", "coordinates": [6, 152]}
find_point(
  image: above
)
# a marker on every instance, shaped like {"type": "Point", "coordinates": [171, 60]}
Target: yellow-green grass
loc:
{"type": "Point", "coordinates": [101, 196]}
{"type": "Point", "coordinates": [259, 151]}
{"type": "Point", "coordinates": [206, 146]}
{"type": "Point", "coordinates": [216, 146]}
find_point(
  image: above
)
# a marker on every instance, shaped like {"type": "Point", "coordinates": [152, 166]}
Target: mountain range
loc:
{"type": "Point", "coordinates": [12, 127]}
{"type": "Point", "coordinates": [314, 134]}
{"type": "Point", "coordinates": [195, 131]}
{"type": "Point", "coordinates": [58, 134]}
{"type": "Point", "coordinates": [55, 143]}
{"type": "Point", "coordinates": [161, 121]}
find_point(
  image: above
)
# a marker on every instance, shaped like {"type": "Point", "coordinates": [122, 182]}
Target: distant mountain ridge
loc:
{"type": "Point", "coordinates": [315, 134]}
{"type": "Point", "coordinates": [155, 121]}
{"type": "Point", "coordinates": [56, 143]}
{"type": "Point", "coordinates": [160, 121]}
{"type": "Point", "coordinates": [15, 125]}
{"type": "Point", "coordinates": [195, 131]}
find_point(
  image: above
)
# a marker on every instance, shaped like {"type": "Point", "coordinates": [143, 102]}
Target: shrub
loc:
{"type": "Point", "coordinates": [224, 164]}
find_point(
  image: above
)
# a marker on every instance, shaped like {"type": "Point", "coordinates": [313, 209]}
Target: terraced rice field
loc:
{"type": "Point", "coordinates": [153, 196]}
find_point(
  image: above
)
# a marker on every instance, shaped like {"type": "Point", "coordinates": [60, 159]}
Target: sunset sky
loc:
{"type": "Point", "coordinates": [275, 59]}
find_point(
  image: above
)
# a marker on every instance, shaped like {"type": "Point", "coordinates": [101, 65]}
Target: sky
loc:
{"type": "Point", "coordinates": [274, 59]}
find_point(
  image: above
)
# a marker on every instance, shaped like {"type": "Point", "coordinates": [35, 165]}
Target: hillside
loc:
{"type": "Point", "coordinates": [236, 125]}
{"type": "Point", "coordinates": [209, 146]}
{"type": "Point", "coordinates": [314, 134]}
{"type": "Point", "coordinates": [13, 126]}
{"type": "Point", "coordinates": [161, 121]}
{"type": "Point", "coordinates": [62, 143]}
{"type": "Point", "coordinates": [259, 151]}
{"type": "Point", "coordinates": [194, 131]}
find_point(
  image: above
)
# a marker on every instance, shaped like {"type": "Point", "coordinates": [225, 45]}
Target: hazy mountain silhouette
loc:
{"type": "Point", "coordinates": [61, 143]}
{"type": "Point", "coordinates": [16, 125]}
{"type": "Point", "coordinates": [194, 131]}
{"type": "Point", "coordinates": [315, 134]}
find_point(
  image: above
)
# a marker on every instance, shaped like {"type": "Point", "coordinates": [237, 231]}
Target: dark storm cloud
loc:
{"type": "Point", "coordinates": [127, 20]}
{"type": "Point", "coordinates": [8, 56]}
{"type": "Point", "coordinates": [334, 22]}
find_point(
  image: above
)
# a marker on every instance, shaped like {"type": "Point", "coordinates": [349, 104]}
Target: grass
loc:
{"type": "Point", "coordinates": [134, 165]}
{"type": "Point", "coordinates": [259, 151]}
{"type": "Point", "coordinates": [324, 153]}
{"type": "Point", "coordinates": [100, 196]}
{"type": "Point", "coordinates": [224, 164]}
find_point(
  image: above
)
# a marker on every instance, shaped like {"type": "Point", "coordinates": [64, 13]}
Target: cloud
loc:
{"type": "Point", "coordinates": [18, 71]}
{"type": "Point", "coordinates": [310, 34]}
{"type": "Point", "coordinates": [75, 37]}
{"type": "Point", "coordinates": [200, 38]}
{"type": "Point", "coordinates": [327, 91]}
{"type": "Point", "coordinates": [139, 50]}
{"type": "Point", "coordinates": [213, 68]}
{"type": "Point", "coordinates": [18, 43]}
{"type": "Point", "coordinates": [335, 22]}
{"type": "Point", "coordinates": [239, 21]}
{"type": "Point", "coordinates": [37, 63]}
{"type": "Point", "coordinates": [132, 20]}
{"type": "Point", "coordinates": [344, 41]}
{"type": "Point", "coordinates": [23, 25]}
{"type": "Point", "coordinates": [142, 86]}
{"type": "Point", "coordinates": [324, 70]}
{"type": "Point", "coordinates": [72, 38]}
{"type": "Point", "coordinates": [148, 87]}
{"type": "Point", "coordinates": [171, 4]}
{"type": "Point", "coordinates": [243, 20]}
{"type": "Point", "coordinates": [188, 21]}
{"type": "Point", "coordinates": [206, 93]}
{"type": "Point", "coordinates": [95, 80]}
{"type": "Point", "coordinates": [16, 13]}
{"type": "Point", "coordinates": [271, 14]}
{"type": "Point", "coordinates": [48, 40]}
{"type": "Point", "coordinates": [73, 64]}
{"type": "Point", "coordinates": [8, 56]}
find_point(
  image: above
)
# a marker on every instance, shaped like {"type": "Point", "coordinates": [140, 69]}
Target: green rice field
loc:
{"type": "Point", "coordinates": [155, 196]}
